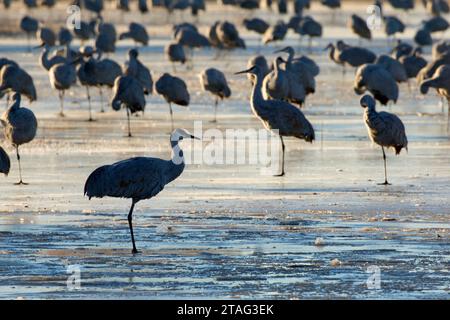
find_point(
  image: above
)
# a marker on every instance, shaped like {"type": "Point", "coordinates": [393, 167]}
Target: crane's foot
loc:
{"type": "Point", "coordinates": [21, 183]}
{"type": "Point", "coordinates": [279, 175]}
{"type": "Point", "coordinates": [91, 120]}
{"type": "Point", "coordinates": [134, 251]}
{"type": "Point", "coordinates": [213, 121]}
{"type": "Point", "coordinates": [385, 184]}
{"type": "Point", "coordinates": [61, 114]}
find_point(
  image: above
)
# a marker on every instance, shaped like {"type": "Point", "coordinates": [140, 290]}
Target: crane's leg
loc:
{"type": "Point", "coordinates": [171, 115]}
{"type": "Point", "coordinates": [385, 183]}
{"type": "Point", "coordinates": [20, 168]}
{"type": "Point", "coordinates": [282, 158]}
{"type": "Point", "coordinates": [28, 42]}
{"type": "Point", "coordinates": [61, 99]}
{"type": "Point", "coordinates": [102, 110]}
{"type": "Point", "coordinates": [89, 101]}
{"type": "Point", "coordinates": [129, 125]}
{"type": "Point", "coordinates": [130, 224]}
{"type": "Point", "coordinates": [215, 110]}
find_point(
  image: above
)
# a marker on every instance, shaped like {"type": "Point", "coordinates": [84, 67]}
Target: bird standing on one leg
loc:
{"type": "Point", "coordinates": [384, 128]}
{"type": "Point", "coordinates": [138, 178]}
{"type": "Point", "coordinates": [20, 126]}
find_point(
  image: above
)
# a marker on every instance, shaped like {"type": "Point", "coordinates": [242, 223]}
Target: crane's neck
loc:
{"type": "Point", "coordinates": [257, 99]}
{"type": "Point", "coordinates": [45, 62]}
{"type": "Point", "coordinates": [15, 104]}
{"type": "Point", "coordinates": [176, 164]}
{"type": "Point", "coordinates": [290, 56]}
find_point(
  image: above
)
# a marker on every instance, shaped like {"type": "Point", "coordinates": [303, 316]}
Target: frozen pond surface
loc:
{"type": "Point", "coordinates": [227, 231]}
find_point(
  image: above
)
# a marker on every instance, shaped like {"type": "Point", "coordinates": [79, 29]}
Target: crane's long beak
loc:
{"type": "Point", "coordinates": [281, 50]}
{"type": "Point", "coordinates": [244, 71]}
{"type": "Point", "coordinates": [195, 138]}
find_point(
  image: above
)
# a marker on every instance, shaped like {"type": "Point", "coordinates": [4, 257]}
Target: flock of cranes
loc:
{"type": "Point", "coordinates": [279, 89]}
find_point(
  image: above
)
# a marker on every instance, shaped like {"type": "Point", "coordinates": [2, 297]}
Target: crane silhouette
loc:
{"type": "Point", "coordinates": [20, 126]}
{"type": "Point", "coordinates": [384, 129]}
{"type": "Point", "coordinates": [214, 81]}
{"type": "Point", "coordinates": [280, 117]}
{"type": "Point", "coordinates": [138, 178]}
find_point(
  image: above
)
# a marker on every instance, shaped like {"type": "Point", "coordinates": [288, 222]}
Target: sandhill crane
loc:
{"type": "Point", "coordinates": [123, 5]}
{"type": "Point", "coordinates": [436, 24]}
{"type": "Point", "coordinates": [333, 5]}
{"type": "Point", "coordinates": [439, 49]}
{"type": "Point", "coordinates": [394, 67]}
{"type": "Point", "coordinates": [5, 162]}
{"type": "Point", "coordinates": [282, 6]}
{"type": "Point", "coordinates": [259, 61]}
{"type": "Point", "coordinates": [431, 67]}
{"type": "Point", "coordinates": [303, 69]}
{"type": "Point", "coordinates": [15, 79]}
{"type": "Point", "coordinates": [106, 38]}
{"type": "Point", "coordinates": [343, 54]}
{"type": "Point", "coordinates": [64, 37]}
{"type": "Point", "coordinates": [175, 53]}
{"type": "Point", "coordinates": [87, 76]}
{"type": "Point", "coordinates": [393, 25]}
{"type": "Point", "coordinates": [441, 82]}
{"type": "Point", "coordinates": [228, 36]}
{"type": "Point", "coordinates": [359, 26]}
{"type": "Point", "coordinates": [423, 37]}
{"type": "Point", "coordinates": [275, 33]}
{"type": "Point", "coordinates": [106, 72]}
{"type": "Point", "coordinates": [190, 38]}
{"type": "Point", "coordinates": [401, 49]}
{"type": "Point", "coordinates": [20, 127]}
{"type": "Point", "coordinates": [138, 178]}
{"type": "Point", "coordinates": [47, 62]}
{"type": "Point", "coordinates": [378, 81]}
{"type": "Point", "coordinates": [46, 36]}
{"type": "Point", "coordinates": [128, 93]}
{"type": "Point", "coordinates": [142, 6]}
{"type": "Point", "coordinates": [174, 90]}
{"type": "Point", "coordinates": [30, 26]}
{"type": "Point", "coordinates": [214, 81]}
{"type": "Point", "coordinates": [86, 31]}
{"type": "Point", "coordinates": [436, 7]}
{"type": "Point", "coordinates": [134, 68]}
{"type": "Point", "coordinates": [413, 63]}
{"type": "Point", "coordinates": [256, 25]}
{"type": "Point", "coordinates": [30, 4]}
{"type": "Point", "coordinates": [137, 32]}
{"type": "Point", "coordinates": [278, 116]}
{"type": "Point", "coordinates": [402, 4]}
{"type": "Point", "coordinates": [300, 5]}
{"type": "Point", "coordinates": [302, 61]}
{"type": "Point", "coordinates": [384, 129]}
{"type": "Point", "coordinates": [276, 83]}
{"type": "Point", "coordinates": [311, 28]}
{"type": "Point", "coordinates": [94, 6]}
{"type": "Point", "coordinates": [62, 76]}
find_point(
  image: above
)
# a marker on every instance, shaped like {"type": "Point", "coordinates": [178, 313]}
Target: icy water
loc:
{"type": "Point", "coordinates": [226, 231]}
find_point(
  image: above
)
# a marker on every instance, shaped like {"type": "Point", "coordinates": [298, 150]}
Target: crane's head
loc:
{"type": "Point", "coordinates": [367, 101]}
{"type": "Point", "coordinates": [287, 49]}
{"type": "Point", "coordinates": [329, 46]}
{"type": "Point", "coordinates": [180, 134]}
{"type": "Point", "coordinates": [133, 53]}
{"type": "Point", "coordinates": [253, 70]}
